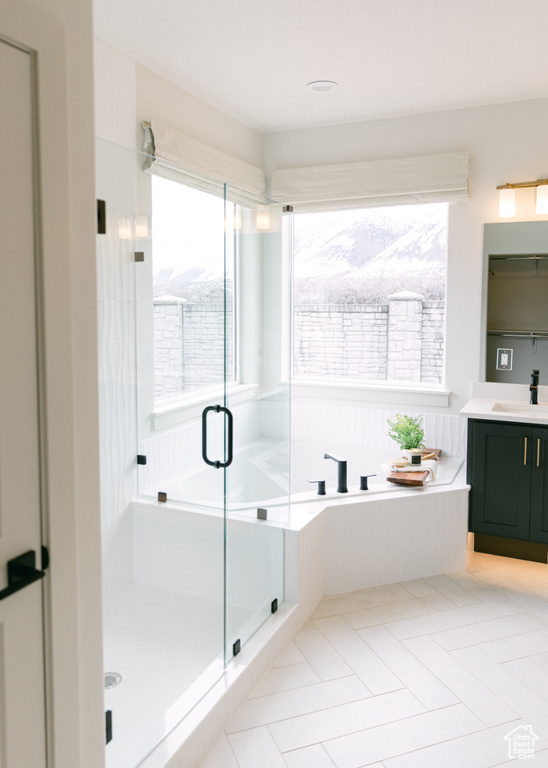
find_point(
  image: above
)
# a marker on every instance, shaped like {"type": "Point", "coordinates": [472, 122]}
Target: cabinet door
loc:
{"type": "Point", "coordinates": [500, 477]}
{"type": "Point", "coordinates": [539, 486]}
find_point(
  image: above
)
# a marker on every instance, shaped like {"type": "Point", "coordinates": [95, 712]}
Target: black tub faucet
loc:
{"type": "Point", "coordinates": [341, 464]}
{"type": "Point", "coordinates": [533, 388]}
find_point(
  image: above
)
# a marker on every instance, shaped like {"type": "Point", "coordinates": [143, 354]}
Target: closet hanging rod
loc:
{"type": "Point", "coordinates": [520, 334]}
{"type": "Point", "coordinates": [518, 257]}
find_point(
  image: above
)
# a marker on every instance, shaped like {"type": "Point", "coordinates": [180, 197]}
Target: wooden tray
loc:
{"type": "Point", "coordinates": [415, 478]}
{"type": "Point", "coordinates": [408, 478]}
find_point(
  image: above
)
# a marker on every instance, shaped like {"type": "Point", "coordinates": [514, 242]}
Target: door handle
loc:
{"type": "Point", "coordinates": [525, 452]}
{"type": "Point", "coordinates": [538, 452]}
{"type": "Point", "coordinates": [22, 571]}
{"type": "Point", "coordinates": [230, 440]}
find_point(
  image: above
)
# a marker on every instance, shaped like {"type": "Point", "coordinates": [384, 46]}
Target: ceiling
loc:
{"type": "Point", "coordinates": [253, 58]}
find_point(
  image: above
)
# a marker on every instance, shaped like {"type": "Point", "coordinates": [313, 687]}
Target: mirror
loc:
{"type": "Point", "coordinates": [516, 308]}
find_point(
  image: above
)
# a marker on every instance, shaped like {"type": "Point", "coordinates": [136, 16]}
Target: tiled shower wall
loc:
{"type": "Point", "coordinates": [116, 184]}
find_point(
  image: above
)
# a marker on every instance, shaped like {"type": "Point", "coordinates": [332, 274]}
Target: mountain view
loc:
{"type": "Point", "coordinates": [356, 257]}
{"type": "Point", "coordinates": [361, 257]}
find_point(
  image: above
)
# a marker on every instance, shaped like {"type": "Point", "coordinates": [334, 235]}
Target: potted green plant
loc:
{"type": "Point", "coordinates": [407, 431]}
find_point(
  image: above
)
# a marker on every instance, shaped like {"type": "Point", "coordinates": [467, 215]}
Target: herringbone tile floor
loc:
{"type": "Point", "coordinates": [444, 672]}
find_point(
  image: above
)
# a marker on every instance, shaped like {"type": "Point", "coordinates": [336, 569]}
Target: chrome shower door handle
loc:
{"type": "Point", "coordinates": [229, 432]}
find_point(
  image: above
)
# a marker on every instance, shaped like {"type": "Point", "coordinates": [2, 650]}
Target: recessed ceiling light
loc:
{"type": "Point", "coordinates": [322, 86]}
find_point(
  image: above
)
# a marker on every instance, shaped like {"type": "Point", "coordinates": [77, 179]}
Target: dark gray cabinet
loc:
{"type": "Point", "coordinates": [508, 473]}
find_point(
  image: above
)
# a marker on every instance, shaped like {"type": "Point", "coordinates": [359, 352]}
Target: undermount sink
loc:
{"type": "Point", "coordinates": [509, 407]}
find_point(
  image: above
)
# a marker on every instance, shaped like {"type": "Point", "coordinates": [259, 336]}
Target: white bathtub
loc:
{"type": "Point", "coordinates": [259, 477]}
{"type": "Point", "coordinates": [331, 545]}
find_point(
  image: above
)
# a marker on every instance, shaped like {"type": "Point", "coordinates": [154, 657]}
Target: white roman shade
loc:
{"type": "Point", "coordinates": [170, 152]}
{"type": "Point", "coordinates": [371, 183]}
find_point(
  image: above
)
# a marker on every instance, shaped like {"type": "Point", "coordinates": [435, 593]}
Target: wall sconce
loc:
{"type": "Point", "coordinates": [507, 196]}
{"type": "Point", "coordinates": [263, 218]}
{"type": "Point", "coordinates": [125, 227]}
{"type": "Point", "coordinates": [141, 227]}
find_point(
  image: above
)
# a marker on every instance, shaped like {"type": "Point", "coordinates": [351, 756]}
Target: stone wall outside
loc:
{"type": "Point", "coordinates": [402, 341]}
{"type": "Point", "coordinates": [189, 346]}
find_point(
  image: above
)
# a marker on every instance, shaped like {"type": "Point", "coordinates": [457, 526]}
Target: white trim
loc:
{"type": "Point", "coordinates": [180, 410]}
{"type": "Point", "coordinates": [373, 183]}
{"type": "Point", "coordinates": [374, 393]}
{"type": "Point", "coordinates": [60, 34]}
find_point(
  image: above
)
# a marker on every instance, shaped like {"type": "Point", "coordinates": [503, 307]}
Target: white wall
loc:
{"type": "Point", "coordinates": [506, 143]}
{"type": "Point", "coordinates": [61, 32]}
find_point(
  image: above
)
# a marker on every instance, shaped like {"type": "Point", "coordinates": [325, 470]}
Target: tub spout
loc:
{"type": "Point", "coordinates": [341, 465]}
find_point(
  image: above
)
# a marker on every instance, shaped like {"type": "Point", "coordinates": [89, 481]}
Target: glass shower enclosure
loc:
{"type": "Point", "coordinates": [194, 362]}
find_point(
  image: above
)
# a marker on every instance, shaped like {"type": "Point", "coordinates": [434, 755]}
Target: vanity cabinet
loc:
{"type": "Point", "coordinates": [508, 473]}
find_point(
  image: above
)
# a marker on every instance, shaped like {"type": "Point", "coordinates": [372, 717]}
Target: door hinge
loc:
{"type": "Point", "coordinates": [108, 725]}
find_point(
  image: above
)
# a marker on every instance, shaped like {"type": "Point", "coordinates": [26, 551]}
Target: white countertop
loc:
{"type": "Point", "coordinates": [498, 409]}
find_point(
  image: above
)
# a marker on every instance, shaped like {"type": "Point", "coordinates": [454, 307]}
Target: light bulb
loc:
{"type": "Point", "coordinates": [542, 198]}
{"type": "Point", "coordinates": [507, 203]}
{"type": "Point", "coordinates": [124, 229]}
{"type": "Point", "coordinates": [263, 218]}
{"type": "Point", "coordinates": [141, 227]}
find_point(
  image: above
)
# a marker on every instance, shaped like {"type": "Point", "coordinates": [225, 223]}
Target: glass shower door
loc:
{"type": "Point", "coordinates": [257, 481]}
{"type": "Point", "coordinates": [163, 564]}
{"type": "Point", "coordinates": [193, 328]}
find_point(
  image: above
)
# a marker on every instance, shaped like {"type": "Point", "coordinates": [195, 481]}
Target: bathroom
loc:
{"type": "Point", "coordinates": [127, 93]}
{"type": "Point", "coordinates": [323, 415]}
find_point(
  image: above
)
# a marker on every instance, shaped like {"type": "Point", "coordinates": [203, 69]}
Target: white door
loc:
{"type": "Point", "coordinates": [22, 707]}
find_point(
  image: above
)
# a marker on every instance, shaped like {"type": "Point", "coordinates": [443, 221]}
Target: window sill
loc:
{"type": "Point", "coordinates": [370, 392]}
{"type": "Point", "coordinates": [189, 407]}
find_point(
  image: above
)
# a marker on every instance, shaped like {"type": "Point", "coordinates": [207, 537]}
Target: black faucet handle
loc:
{"type": "Point", "coordinates": [363, 482]}
{"type": "Point", "coordinates": [321, 486]}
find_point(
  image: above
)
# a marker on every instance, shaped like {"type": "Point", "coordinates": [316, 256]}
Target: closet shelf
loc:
{"type": "Point", "coordinates": [532, 336]}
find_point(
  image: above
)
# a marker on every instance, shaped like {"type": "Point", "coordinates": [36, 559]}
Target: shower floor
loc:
{"type": "Point", "coordinates": [168, 648]}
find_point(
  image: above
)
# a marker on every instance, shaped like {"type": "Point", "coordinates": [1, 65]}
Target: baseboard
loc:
{"type": "Point", "coordinates": [517, 548]}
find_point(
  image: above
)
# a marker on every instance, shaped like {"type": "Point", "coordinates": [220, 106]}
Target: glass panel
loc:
{"type": "Point", "coordinates": [257, 482]}
{"type": "Point", "coordinates": [193, 320]}
{"type": "Point", "coordinates": [163, 565]}
{"type": "Point", "coordinates": [188, 287]}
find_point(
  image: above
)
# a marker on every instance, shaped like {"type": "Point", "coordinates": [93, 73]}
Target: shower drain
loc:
{"type": "Point", "coordinates": [112, 679]}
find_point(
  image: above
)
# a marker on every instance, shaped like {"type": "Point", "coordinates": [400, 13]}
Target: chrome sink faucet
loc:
{"type": "Point", "coordinates": [341, 465]}
{"type": "Point", "coordinates": [533, 388]}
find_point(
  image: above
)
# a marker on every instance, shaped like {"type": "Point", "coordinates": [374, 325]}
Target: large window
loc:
{"type": "Point", "coordinates": [193, 289]}
{"type": "Point", "coordinates": [369, 294]}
